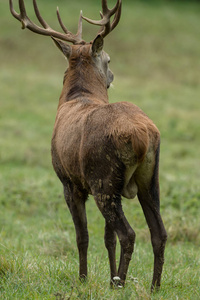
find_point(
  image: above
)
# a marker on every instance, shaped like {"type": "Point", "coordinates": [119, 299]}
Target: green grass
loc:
{"type": "Point", "coordinates": [155, 55]}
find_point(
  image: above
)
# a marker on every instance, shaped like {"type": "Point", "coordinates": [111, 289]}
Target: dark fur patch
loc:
{"type": "Point", "coordinates": [77, 91]}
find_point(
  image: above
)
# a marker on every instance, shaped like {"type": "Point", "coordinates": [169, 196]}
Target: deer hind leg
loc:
{"type": "Point", "coordinates": [112, 211]}
{"type": "Point", "coordinates": [149, 197]}
{"type": "Point", "coordinates": [158, 236]}
{"type": "Point", "coordinates": [110, 243]}
{"type": "Point", "coordinates": [76, 202]}
{"type": "Point", "coordinates": [126, 237]}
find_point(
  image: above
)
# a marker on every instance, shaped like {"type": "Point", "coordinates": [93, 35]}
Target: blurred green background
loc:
{"type": "Point", "coordinates": [155, 56]}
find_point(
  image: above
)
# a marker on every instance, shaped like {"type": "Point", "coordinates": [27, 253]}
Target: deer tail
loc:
{"type": "Point", "coordinates": [140, 141]}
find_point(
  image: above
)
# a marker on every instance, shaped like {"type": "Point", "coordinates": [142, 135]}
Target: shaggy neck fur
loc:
{"type": "Point", "coordinates": [83, 80]}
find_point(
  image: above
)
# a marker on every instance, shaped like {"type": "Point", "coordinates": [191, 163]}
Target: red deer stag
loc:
{"type": "Point", "coordinates": [106, 150]}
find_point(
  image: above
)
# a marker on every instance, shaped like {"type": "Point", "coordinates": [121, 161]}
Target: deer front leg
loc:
{"type": "Point", "coordinates": [76, 202]}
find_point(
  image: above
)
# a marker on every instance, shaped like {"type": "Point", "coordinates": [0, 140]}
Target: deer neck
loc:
{"type": "Point", "coordinates": [82, 83]}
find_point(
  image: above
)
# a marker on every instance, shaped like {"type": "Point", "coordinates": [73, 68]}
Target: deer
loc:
{"type": "Point", "coordinates": [107, 150]}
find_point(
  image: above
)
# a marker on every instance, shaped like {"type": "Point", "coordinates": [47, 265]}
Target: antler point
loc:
{"type": "Point", "coordinates": [23, 24]}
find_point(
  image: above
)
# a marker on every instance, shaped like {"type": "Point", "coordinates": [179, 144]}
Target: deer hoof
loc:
{"type": "Point", "coordinates": [116, 282]}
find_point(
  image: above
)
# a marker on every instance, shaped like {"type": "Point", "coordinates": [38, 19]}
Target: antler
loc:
{"type": "Point", "coordinates": [106, 26]}
{"type": "Point", "coordinates": [46, 29]}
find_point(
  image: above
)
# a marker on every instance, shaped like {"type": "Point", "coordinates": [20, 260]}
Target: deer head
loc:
{"type": "Point", "coordinates": [81, 51]}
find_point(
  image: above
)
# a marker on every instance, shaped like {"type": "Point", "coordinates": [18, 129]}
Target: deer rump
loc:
{"type": "Point", "coordinates": [100, 147]}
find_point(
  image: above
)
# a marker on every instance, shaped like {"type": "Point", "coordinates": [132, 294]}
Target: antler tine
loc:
{"type": "Point", "coordinates": [117, 11]}
{"type": "Point", "coordinates": [22, 15]}
{"type": "Point", "coordinates": [105, 8]}
{"type": "Point", "coordinates": [80, 27]}
{"type": "Point", "coordinates": [79, 32]}
{"type": "Point", "coordinates": [105, 18]}
{"type": "Point", "coordinates": [60, 21]}
{"type": "Point", "coordinates": [46, 29]}
{"type": "Point", "coordinates": [78, 35]}
{"type": "Point", "coordinates": [38, 15]}
{"type": "Point", "coordinates": [22, 8]}
{"type": "Point", "coordinates": [13, 12]}
{"type": "Point", "coordinates": [116, 18]}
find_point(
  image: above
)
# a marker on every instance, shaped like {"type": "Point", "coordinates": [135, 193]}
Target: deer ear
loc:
{"type": "Point", "coordinates": [97, 45]}
{"type": "Point", "coordinates": [64, 48]}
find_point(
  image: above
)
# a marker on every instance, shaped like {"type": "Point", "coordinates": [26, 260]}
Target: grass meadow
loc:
{"type": "Point", "coordinates": [155, 56]}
